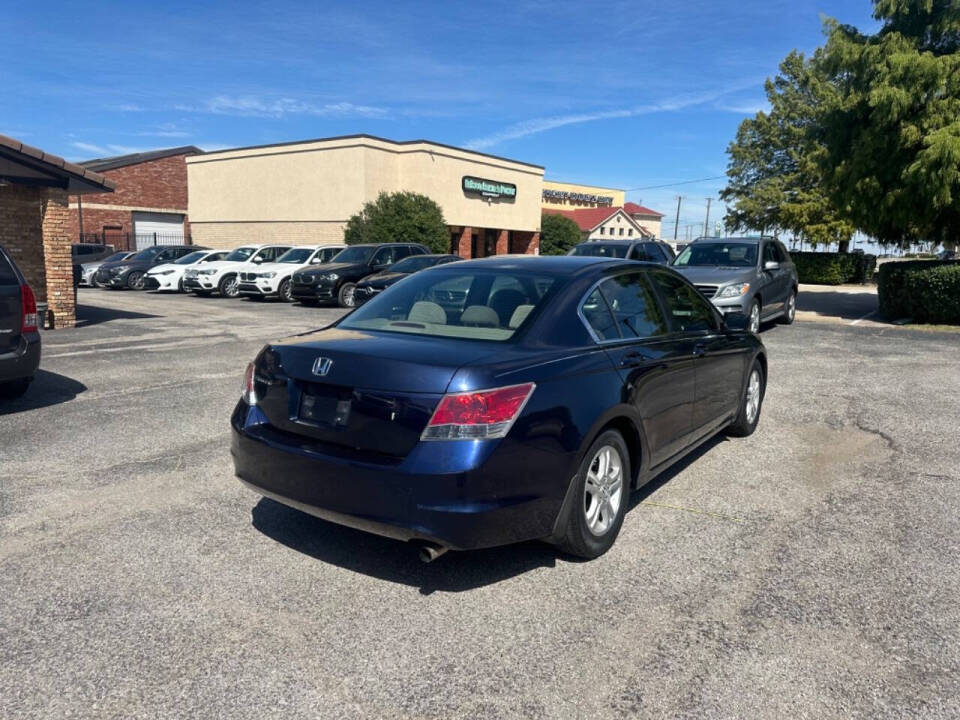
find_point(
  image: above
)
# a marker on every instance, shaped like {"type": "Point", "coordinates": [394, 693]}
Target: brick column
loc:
{"type": "Point", "coordinates": [503, 242]}
{"type": "Point", "coordinates": [527, 243]}
{"type": "Point", "coordinates": [57, 261]}
{"type": "Point", "coordinates": [463, 245]}
{"type": "Point", "coordinates": [533, 247]}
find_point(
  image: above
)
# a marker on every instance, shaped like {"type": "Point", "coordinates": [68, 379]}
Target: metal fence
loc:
{"type": "Point", "coordinates": [135, 241]}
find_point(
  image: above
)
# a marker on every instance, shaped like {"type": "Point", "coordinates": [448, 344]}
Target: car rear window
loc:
{"type": "Point", "coordinates": [467, 304]}
{"type": "Point", "coordinates": [8, 276]}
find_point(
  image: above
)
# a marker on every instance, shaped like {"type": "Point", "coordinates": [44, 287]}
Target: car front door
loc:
{"type": "Point", "coordinates": [657, 366]}
{"type": "Point", "coordinates": [774, 286]}
{"type": "Point", "coordinates": [719, 357]}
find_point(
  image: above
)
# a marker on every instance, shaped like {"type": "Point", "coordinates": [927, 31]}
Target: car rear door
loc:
{"type": "Point", "coordinates": [11, 310]}
{"type": "Point", "coordinates": [657, 366]}
{"type": "Point", "coordinates": [718, 355]}
{"type": "Point", "coordinates": [774, 289]}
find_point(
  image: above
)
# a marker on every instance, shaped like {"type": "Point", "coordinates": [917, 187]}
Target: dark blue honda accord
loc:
{"type": "Point", "coordinates": [493, 401]}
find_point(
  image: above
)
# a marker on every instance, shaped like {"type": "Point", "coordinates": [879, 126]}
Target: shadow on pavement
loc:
{"type": "Point", "coordinates": [88, 315]}
{"type": "Point", "coordinates": [46, 389]}
{"type": "Point", "coordinates": [843, 305]}
{"type": "Point", "coordinates": [397, 561]}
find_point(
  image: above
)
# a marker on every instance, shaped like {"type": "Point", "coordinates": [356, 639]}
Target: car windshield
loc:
{"type": "Point", "coordinates": [718, 254]}
{"type": "Point", "coordinates": [470, 304]}
{"type": "Point", "coordinates": [240, 254]}
{"type": "Point", "coordinates": [356, 254]}
{"type": "Point", "coordinates": [190, 258]}
{"type": "Point", "coordinates": [596, 249]}
{"type": "Point", "coordinates": [147, 254]}
{"type": "Point", "coordinates": [296, 256]}
{"type": "Point", "coordinates": [412, 264]}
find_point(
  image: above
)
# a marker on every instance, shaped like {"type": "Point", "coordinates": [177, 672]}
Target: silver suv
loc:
{"type": "Point", "coordinates": [750, 275]}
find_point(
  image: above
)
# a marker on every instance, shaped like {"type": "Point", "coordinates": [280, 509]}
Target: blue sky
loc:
{"type": "Point", "coordinates": [620, 94]}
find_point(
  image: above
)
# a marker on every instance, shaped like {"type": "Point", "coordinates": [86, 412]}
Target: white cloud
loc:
{"type": "Point", "coordinates": [163, 133]}
{"type": "Point", "coordinates": [250, 106]}
{"type": "Point", "coordinates": [128, 107]}
{"type": "Point", "coordinates": [746, 108]}
{"type": "Point", "coordinates": [90, 148]}
{"type": "Point", "coordinates": [109, 149]}
{"type": "Point", "coordinates": [539, 125]}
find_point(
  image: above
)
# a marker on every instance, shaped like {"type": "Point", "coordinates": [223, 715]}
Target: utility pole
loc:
{"type": "Point", "coordinates": [677, 224]}
{"type": "Point", "coordinates": [706, 223]}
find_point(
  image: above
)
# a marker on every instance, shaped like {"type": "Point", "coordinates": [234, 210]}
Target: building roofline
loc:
{"type": "Point", "coordinates": [118, 161]}
{"type": "Point", "coordinates": [75, 179]}
{"type": "Point", "coordinates": [366, 136]}
{"type": "Point", "coordinates": [592, 187]}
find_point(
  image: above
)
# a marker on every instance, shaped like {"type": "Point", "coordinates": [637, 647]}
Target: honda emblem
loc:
{"type": "Point", "coordinates": [321, 366]}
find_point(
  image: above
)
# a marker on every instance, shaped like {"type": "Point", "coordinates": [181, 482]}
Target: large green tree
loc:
{"type": "Point", "coordinates": [558, 234]}
{"type": "Point", "coordinates": [400, 217]}
{"type": "Point", "coordinates": [892, 129]}
{"type": "Point", "coordinates": [775, 179]}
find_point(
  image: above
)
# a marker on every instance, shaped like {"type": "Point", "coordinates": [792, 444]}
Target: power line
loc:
{"type": "Point", "coordinates": [683, 182]}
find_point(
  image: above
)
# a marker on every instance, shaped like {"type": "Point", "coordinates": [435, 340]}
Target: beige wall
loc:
{"type": "Point", "coordinates": [649, 223]}
{"type": "Point", "coordinates": [305, 192]}
{"type": "Point", "coordinates": [568, 203]}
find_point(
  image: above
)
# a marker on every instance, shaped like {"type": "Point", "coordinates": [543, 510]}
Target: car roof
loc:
{"type": "Point", "coordinates": [394, 244]}
{"type": "Point", "coordinates": [553, 264]}
{"type": "Point", "coordinates": [745, 239]}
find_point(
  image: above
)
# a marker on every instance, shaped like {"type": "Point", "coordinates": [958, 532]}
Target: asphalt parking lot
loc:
{"type": "Point", "coordinates": [807, 571]}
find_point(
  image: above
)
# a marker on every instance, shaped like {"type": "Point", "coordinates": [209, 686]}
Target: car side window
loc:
{"type": "Point", "coordinates": [687, 309]}
{"type": "Point", "coordinates": [770, 253]}
{"type": "Point", "coordinates": [598, 316]}
{"type": "Point", "coordinates": [401, 252]}
{"type": "Point", "coordinates": [782, 255]}
{"type": "Point", "coordinates": [639, 252]}
{"type": "Point", "coordinates": [7, 274]}
{"type": "Point", "coordinates": [634, 306]}
{"type": "Point", "coordinates": [384, 256]}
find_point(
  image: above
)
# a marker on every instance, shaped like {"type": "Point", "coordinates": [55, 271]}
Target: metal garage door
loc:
{"type": "Point", "coordinates": [157, 229]}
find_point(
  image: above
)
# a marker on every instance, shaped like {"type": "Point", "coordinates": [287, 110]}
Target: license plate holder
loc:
{"type": "Point", "coordinates": [323, 410]}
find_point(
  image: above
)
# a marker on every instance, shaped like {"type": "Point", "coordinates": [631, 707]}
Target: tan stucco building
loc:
{"type": "Point", "coordinates": [304, 192]}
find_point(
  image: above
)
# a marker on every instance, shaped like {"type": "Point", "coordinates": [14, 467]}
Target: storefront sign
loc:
{"type": "Point", "coordinates": [577, 197]}
{"type": "Point", "coordinates": [488, 188]}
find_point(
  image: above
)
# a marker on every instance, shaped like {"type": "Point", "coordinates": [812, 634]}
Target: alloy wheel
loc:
{"type": "Point", "coordinates": [791, 307]}
{"type": "Point", "coordinates": [755, 318]}
{"type": "Point", "coordinates": [231, 288]}
{"type": "Point", "coordinates": [603, 490]}
{"type": "Point", "coordinates": [753, 396]}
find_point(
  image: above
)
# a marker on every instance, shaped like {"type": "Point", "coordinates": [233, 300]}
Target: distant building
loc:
{"type": "Point", "coordinates": [649, 220]}
{"type": "Point", "coordinates": [148, 207]}
{"type": "Point", "coordinates": [571, 196]}
{"type": "Point", "coordinates": [604, 223]}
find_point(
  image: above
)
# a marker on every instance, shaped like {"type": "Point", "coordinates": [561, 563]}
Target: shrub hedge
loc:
{"type": "Point", "coordinates": [827, 268]}
{"type": "Point", "coordinates": [922, 290]}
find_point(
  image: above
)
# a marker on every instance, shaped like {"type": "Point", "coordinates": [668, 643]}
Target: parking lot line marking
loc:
{"type": "Point", "coordinates": [872, 312]}
{"type": "Point", "coordinates": [693, 510]}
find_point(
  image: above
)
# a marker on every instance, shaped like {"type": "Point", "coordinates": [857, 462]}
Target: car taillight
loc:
{"type": "Point", "coordinates": [477, 415]}
{"type": "Point", "coordinates": [29, 320]}
{"type": "Point", "coordinates": [248, 392]}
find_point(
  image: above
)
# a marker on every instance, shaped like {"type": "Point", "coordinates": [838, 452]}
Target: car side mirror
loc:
{"type": "Point", "coordinates": [257, 260]}
{"type": "Point", "coordinates": [736, 321]}
{"type": "Point", "coordinates": [771, 265]}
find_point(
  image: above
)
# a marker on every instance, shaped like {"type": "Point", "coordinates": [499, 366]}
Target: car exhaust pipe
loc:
{"type": "Point", "coordinates": [431, 551]}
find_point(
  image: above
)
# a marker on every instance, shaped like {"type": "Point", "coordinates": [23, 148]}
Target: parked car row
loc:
{"type": "Point", "coordinates": [310, 274]}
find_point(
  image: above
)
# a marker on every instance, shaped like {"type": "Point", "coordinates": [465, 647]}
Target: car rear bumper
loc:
{"type": "Point", "coordinates": [496, 499]}
{"type": "Point", "coordinates": [22, 361]}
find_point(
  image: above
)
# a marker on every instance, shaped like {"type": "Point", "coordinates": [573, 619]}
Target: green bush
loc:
{"type": "Point", "coordinates": [827, 268]}
{"type": "Point", "coordinates": [922, 290]}
{"type": "Point", "coordinates": [558, 234]}
{"type": "Point", "coordinates": [399, 217]}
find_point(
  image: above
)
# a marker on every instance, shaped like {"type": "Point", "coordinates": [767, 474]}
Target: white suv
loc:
{"type": "Point", "coordinates": [169, 276]}
{"type": "Point", "coordinates": [222, 276]}
{"type": "Point", "coordinates": [273, 279]}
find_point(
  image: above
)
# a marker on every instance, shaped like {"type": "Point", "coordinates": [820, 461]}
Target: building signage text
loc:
{"type": "Point", "coordinates": [577, 197]}
{"type": "Point", "coordinates": [489, 188]}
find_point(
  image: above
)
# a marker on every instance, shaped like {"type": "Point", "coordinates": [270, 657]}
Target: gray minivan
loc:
{"type": "Point", "coordinates": [751, 275]}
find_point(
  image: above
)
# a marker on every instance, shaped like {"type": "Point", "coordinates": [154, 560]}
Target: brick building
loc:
{"type": "Point", "coordinates": [34, 220]}
{"type": "Point", "coordinates": [148, 207]}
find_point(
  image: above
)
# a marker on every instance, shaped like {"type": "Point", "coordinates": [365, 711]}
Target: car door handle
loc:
{"type": "Point", "coordinates": [632, 359]}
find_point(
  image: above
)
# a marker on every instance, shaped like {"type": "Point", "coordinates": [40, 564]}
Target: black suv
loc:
{"type": "Point", "coordinates": [336, 280]}
{"type": "Point", "coordinates": [19, 330]}
{"type": "Point", "coordinates": [655, 251]}
{"type": "Point", "coordinates": [132, 271]}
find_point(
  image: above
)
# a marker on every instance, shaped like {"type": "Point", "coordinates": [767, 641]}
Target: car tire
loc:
{"type": "Point", "coordinates": [751, 403]}
{"type": "Point", "coordinates": [345, 296]}
{"type": "Point", "coordinates": [180, 286]}
{"type": "Point", "coordinates": [599, 501]}
{"type": "Point", "coordinates": [14, 389]}
{"type": "Point", "coordinates": [229, 287]}
{"type": "Point", "coordinates": [789, 309]}
{"type": "Point", "coordinates": [135, 280]}
{"type": "Point", "coordinates": [753, 317]}
{"type": "Point", "coordinates": [284, 292]}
